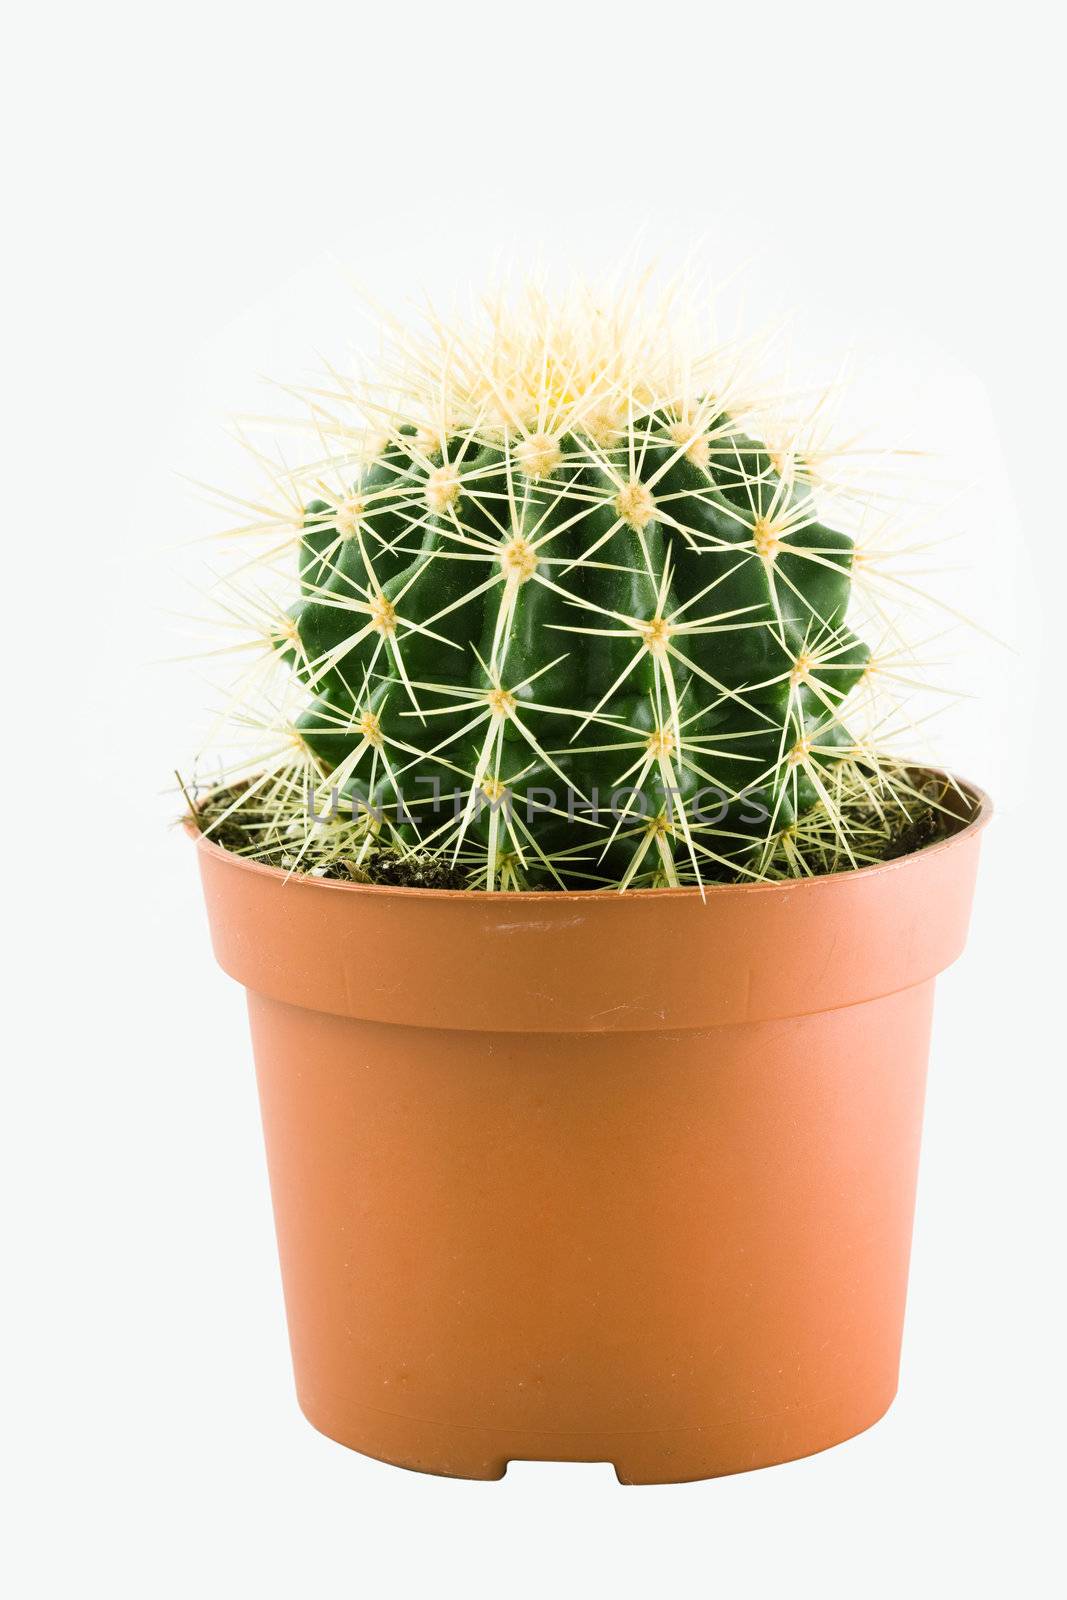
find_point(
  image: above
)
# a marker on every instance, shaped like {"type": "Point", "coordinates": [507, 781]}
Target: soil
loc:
{"type": "Point", "coordinates": [242, 832]}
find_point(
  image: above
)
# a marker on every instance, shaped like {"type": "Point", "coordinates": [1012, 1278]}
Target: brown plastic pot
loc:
{"type": "Point", "coordinates": [594, 1177]}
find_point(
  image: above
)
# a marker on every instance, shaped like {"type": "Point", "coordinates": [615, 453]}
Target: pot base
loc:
{"type": "Point", "coordinates": [669, 1455]}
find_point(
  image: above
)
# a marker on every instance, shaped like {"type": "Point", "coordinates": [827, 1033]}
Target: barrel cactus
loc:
{"type": "Point", "coordinates": [568, 616]}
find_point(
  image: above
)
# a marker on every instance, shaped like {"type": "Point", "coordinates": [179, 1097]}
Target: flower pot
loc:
{"type": "Point", "coordinates": [594, 1177]}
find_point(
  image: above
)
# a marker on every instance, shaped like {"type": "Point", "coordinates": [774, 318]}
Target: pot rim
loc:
{"type": "Point", "coordinates": [981, 813]}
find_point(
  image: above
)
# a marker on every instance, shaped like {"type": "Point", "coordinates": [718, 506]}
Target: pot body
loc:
{"type": "Point", "coordinates": [590, 1177]}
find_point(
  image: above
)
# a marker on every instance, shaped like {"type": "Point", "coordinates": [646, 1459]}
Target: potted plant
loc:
{"type": "Point", "coordinates": [561, 1172]}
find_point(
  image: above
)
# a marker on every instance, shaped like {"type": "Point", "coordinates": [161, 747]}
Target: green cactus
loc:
{"type": "Point", "coordinates": [570, 623]}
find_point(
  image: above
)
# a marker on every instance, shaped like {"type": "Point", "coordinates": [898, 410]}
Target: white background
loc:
{"type": "Point", "coordinates": [182, 182]}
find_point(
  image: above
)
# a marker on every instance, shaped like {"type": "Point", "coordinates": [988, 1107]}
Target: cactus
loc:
{"type": "Point", "coordinates": [573, 619]}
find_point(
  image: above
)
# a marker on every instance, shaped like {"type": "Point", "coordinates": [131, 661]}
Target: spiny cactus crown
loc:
{"type": "Point", "coordinates": [572, 612]}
